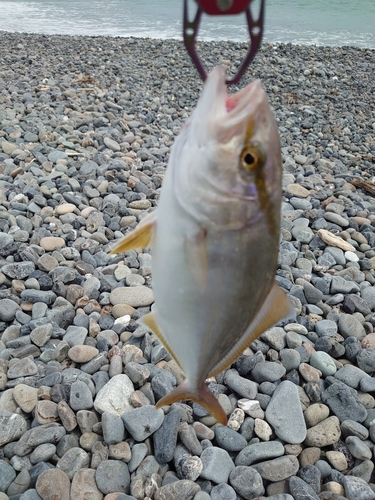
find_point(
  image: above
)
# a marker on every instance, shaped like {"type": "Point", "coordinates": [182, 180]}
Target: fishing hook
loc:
{"type": "Point", "coordinates": [223, 7]}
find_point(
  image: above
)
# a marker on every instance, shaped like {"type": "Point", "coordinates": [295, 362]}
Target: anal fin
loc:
{"type": "Point", "coordinates": [201, 395]}
{"type": "Point", "coordinates": [141, 237]}
{"type": "Point", "coordinates": [275, 307]}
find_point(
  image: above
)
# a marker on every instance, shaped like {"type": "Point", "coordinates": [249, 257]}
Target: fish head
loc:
{"type": "Point", "coordinates": [237, 141]}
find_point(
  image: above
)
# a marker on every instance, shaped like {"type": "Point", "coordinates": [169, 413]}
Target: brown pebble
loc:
{"type": "Point", "coordinates": [84, 486]}
{"type": "Point", "coordinates": [67, 416]}
{"type": "Point", "coordinates": [368, 341]}
{"type": "Point", "coordinates": [46, 412]}
{"type": "Point", "coordinates": [325, 433]}
{"type": "Point", "coordinates": [74, 293]}
{"type": "Point", "coordinates": [53, 484]}
{"type": "Point", "coordinates": [17, 287]}
{"type": "Point", "coordinates": [138, 399]}
{"type": "Point", "coordinates": [315, 414]}
{"type": "Point", "coordinates": [334, 487]}
{"type": "Point", "coordinates": [337, 460]}
{"type": "Point", "coordinates": [44, 392]}
{"type": "Point", "coordinates": [202, 431]}
{"type": "Point", "coordinates": [293, 449]}
{"type": "Point", "coordinates": [65, 208]}
{"type": "Point", "coordinates": [278, 488]}
{"type": "Point", "coordinates": [88, 439]}
{"type": "Point", "coordinates": [309, 373]}
{"type": "Point", "coordinates": [82, 353]}
{"type": "Point", "coordinates": [120, 451]}
{"type": "Point", "coordinates": [26, 306]}
{"type": "Point", "coordinates": [49, 243]}
{"type": "Point", "coordinates": [309, 456]}
{"type": "Point", "coordinates": [361, 220]}
{"type": "Point", "coordinates": [26, 397]}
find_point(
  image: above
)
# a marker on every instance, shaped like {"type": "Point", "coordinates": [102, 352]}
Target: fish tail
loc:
{"type": "Point", "coordinates": [201, 395]}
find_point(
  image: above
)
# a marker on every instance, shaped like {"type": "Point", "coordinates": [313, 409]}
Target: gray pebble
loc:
{"type": "Point", "coordinates": [284, 413]}
{"type": "Point", "coordinates": [165, 438]}
{"type": "Point", "coordinates": [223, 492]}
{"type": "Point", "coordinates": [139, 451]}
{"type": "Point", "coordinates": [343, 402]}
{"type": "Point", "coordinates": [189, 438]}
{"type": "Point", "coordinates": [80, 396]}
{"type": "Point", "coordinates": [7, 475]}
{"type": "Point", "coordinates": [217, 465]}
{"type": "Point", "coordinates": [357, 489]}
{"type": "Point", "coordinates": [268, 371]}
{"type": "Point", "coordinates": [358, 448]}
{"type": "Point", "coordinates": [42, 453]}
{"type": "Point", "coordinates": [247, 482]}
{"type": "Point", "coordinates": [72, 461]}
{"type": "Point", "coordinates": [301, 490]}
{"type": "Point", "coordinates": [142, 422]}
{"type": "Point", "coordinates": [258, 452]}
{"type": "Point", "coordinates": [75, 335]}
{"type": "Point", "coordinates": [244, 387]}
{"type": "Point", "coordinates": [12, 426]}
{"type": "Point", "coordinates": [112, 475]}
{"type": "Point", "coordinates": [228, 439]}
{"type": "Point", "coordinates": [113, 428]}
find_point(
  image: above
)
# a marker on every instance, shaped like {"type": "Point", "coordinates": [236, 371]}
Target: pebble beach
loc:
{"type": "Point", "coordinates": [86, 127]}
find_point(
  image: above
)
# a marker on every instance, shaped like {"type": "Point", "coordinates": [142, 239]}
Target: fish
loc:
{"type": "Point", "coordinates": [215, 238]}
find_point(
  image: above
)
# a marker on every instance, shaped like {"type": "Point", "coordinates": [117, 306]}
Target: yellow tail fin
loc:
{"type": "Point", "coordinates": [201, 395]}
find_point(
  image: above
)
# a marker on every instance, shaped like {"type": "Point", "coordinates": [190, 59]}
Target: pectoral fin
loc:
{"type": "Point", "coordinates": [275, 308]}
{"type": "Point", "coordinates": [201, 395]}
{"type": "Point", "coordinates": [197, 258]}
{"type": "Point", "coordinates": [141, 237]}
{"type": "Point", "coordinates": [149, 321]}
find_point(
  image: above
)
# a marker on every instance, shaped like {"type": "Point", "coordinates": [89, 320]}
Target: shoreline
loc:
{"type": "Point", "coordinates": [86, 127]}
{"type": "Point", "coordinates": [180, 40]}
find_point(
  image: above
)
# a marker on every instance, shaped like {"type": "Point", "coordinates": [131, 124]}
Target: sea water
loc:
{"type": "Point", "coordinates": [320, 22]}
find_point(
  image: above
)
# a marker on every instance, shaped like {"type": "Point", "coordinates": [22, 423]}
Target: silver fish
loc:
{"type": "Point", "coordinates": [215, 237]}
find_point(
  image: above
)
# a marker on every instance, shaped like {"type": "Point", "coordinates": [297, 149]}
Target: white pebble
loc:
{"type": "Point", "coordinates": [123, 320]}
{"type": "Point", "coordinates": [351, 257]}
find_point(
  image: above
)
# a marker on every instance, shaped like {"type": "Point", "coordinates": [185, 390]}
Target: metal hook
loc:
{"type": "Point", "coordinates": [190, 31]}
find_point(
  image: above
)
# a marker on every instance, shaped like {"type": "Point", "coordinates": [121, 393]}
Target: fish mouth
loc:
{"type": "Point", "coordinates": [235, 115]}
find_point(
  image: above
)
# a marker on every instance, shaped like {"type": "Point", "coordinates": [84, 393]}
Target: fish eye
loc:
{"type": "Point", "coordinates": [252, 158]}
